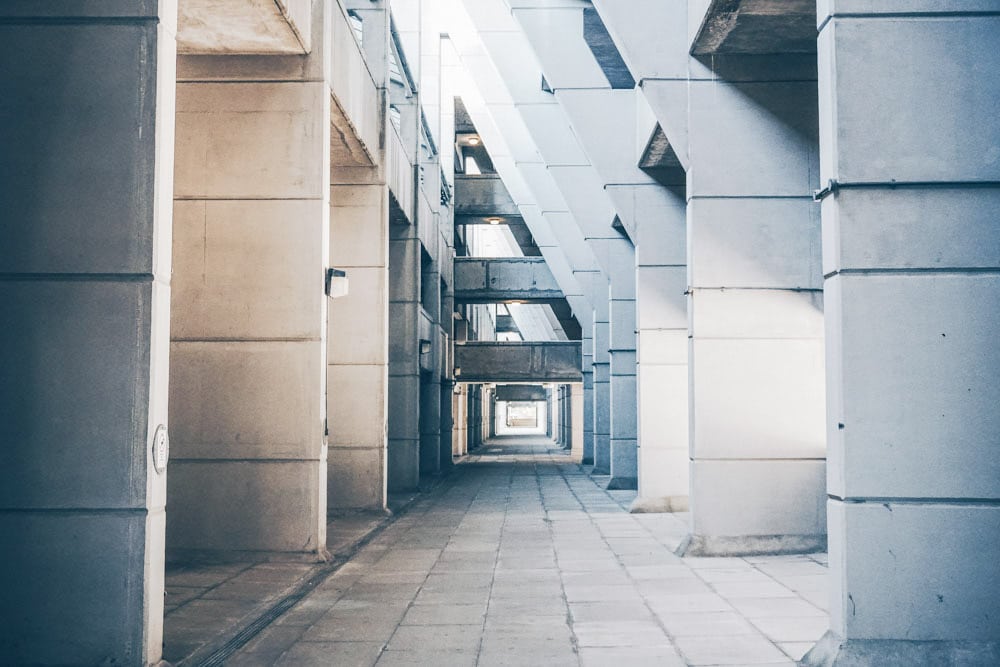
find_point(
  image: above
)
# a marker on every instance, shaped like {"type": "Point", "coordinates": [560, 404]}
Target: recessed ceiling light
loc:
{"type": "Point", "coordinates": [494, 221]}
{"type": "Point", "coordinates": [473, 140]}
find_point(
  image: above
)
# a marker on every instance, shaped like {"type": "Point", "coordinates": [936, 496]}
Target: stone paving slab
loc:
{"type": "Point", "coordinates": [520, 558]}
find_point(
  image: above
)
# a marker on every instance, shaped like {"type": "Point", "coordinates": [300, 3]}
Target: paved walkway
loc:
{"type": "Point", "coordinates": [521, 559]}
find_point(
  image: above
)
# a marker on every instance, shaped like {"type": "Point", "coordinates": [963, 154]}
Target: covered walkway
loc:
{"type": "Point", "coordinates": [521, 558]}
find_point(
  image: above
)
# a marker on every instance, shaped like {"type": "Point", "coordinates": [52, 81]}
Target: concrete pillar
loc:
{"type": "Point", "coordinates": [622, 367]}
{"type": "Point", "coordinates": [447, 424]}
{"type": "Point", "coordinates": [404, 359]}
{"type": "Point", "coordinates": [587, 431]}
{"type": "Point", "coordinates": [755, 307]}
{"type": "Point", "coordinates": [661, 308]}
{"type": "Point", "coordinates": [576, 421]}
{"type": "Point", "coordinates": [602, 397]}
{"type": "Point", "coordinates": [911, 140]}
{"type": "Point", "coordinates": [249, 318]}
{"type": "Point", "coordinates": [86, 125]}
{"type": "Point", "coordinates": [358, 350]}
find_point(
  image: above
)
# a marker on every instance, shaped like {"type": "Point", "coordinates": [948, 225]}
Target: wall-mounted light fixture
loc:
{"type": "Point", "coordinates": [494, 220]}
{"type": "Point", "coordinates": [336, 283]}
{"type": "Point", "coordinates": [425, 346]}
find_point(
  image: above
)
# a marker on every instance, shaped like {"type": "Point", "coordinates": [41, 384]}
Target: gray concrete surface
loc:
{"type": "Point", "coordinates": [521, 558]}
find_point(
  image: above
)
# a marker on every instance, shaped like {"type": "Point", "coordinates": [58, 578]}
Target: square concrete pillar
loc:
{"type": "Point", "coordinates": [662, 355]}
{"type": "Point", "coordinates": [358, 346]}
{"type": "Point", "coordinates": [912, 265]}
{"type": "Point", "coordinates": [86, 125]}
{"type": "Point", "coordinates": [249, 318]}
{"type": "Point", "coordinates": [404, 359]}
{"type": "Point", "coordinates": [602, 399]}
{"type": "Point", "coordinates": [755, 308]}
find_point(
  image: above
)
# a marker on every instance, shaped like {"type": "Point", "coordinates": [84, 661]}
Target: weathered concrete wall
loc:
{"type": "Point", "coordinates": [248, 350]}
{"type": "Point", "coordinates": [912, 264]}
{"type": "Point", "coordinates": [86, 119]}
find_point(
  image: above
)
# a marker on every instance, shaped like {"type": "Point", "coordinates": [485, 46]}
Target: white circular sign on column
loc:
{"type": "Point", "coordinates": [161, 449]}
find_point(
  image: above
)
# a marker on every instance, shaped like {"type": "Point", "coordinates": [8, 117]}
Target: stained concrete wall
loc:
{"type": "Point", "coordinates": [248, 327]}
{"type": "Point", "coordinates": [86, 119]}
{"type": "Point", "coordinates": [912, 258]}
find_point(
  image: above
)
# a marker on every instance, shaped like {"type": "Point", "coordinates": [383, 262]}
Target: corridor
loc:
{"type": "Point", "coordinates": [520, 558]}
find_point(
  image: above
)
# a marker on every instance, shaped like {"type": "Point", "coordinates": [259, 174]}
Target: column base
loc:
{"type": "Point", "coordinates": [623, 484]}
{"type": "Point", "coordinates": [750, 545]}
{"type": "Point", "coordinates": [834, 651]}
{"type": "Point", "coordinates": [659, 505]}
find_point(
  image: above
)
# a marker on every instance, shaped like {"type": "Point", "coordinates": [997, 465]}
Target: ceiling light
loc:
{"type": "Point", "coordinates": [473, 140]}
{"type": "Point", "coordinates": [494, 221]}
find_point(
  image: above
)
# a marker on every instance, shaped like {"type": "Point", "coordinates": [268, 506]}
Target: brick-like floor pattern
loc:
{"type": "Point", "coordinates": [519, 558]}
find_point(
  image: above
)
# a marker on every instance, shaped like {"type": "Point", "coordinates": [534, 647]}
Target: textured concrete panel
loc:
{"type": "Point", "coordinates": [357, 398]}
{"type": "Point", "coordinates": [355, 478]}
{"type": "Point", "coordinates": [245, 400]}
{"type": "Point", "coordinates": [764, 132]}
{"type": "Point", "coordinates": [932, 339]}
{"type": "Point", "coordinates": [661, 297]}
{"type": "Point", "coordinates": [247, 269]}
{"type": "Point", "coordinates": [758, 498]}
{"type": "Point", "coordinates": [771, 392]}
{"type": "Point", "coordinates": [483, 195]}
{"type": "Point", "coordinates": [75, 359]}
{"type": "Point", "coordinates": [956, 227]}
{"type": "Point", "coordinates": [250, 140]}
{"type": "Point", "coordinates": [755, 243]}
{"type": "Point", "coordinates": [244, 505]}
{"type": "Point", "coordinates": [518, 362]}
{"type": "Point", "coordinates": [244, 27]}
{"type": "Point", "coordinates": [78, 136]}
{"type": "Point", "coordinates": [480, 280]}
{"type": "Point", "coordinates": [91, 561]}
{"type": "Point", "coordinates": [358, 328]}
{"type": "Point", "coordinates": [757, 314]}
{"type": "Point", "coordinates": [920, 572]}
{"type": "Point", "coordinates": [879, 72]}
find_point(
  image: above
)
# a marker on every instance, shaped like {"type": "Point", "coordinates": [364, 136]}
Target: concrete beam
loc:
{"type": "Point", "coordinates": [244, 27]}
{"type": "Point", "coordinates": [757, 27]}
{"type": "Point", "coordinates": [518, 362]}
{"type": "Point", "coordinates": [483, 196]}
{"type": "Point", "coordinates": [494, 280]}
{"type": "Point", "coordinates": [520, 392]}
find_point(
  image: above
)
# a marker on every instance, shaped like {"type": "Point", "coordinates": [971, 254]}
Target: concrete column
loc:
{"type": "Point", "coordinates": [358, 350]}
{"type": "Point", "coordinates": [661, 307]}
{"type": "Point", "coordinates": [622, 366]}
{"type": "Point", "coordinates": [86, 125]}
{"type": "Point", "coordinates": [911, 139]}
{"type": "Point", "coordinates": [447, 424]}
{"type": "Point", "coordinates": [587, 431]}
{"type": "Point", "coordinates": [404, 355]}
{"type": "Point", "coordinates": [576, 421]}
{"type": "Point", "coordinates": [551, 419]}
{"type": "Point", "coordinates": [602, 397]}
{"type": "Point", "coordinates": [755, 307]}
{"type": "Point", "coordinates": [248, 327]}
